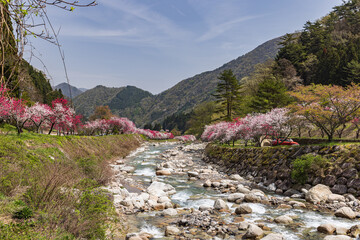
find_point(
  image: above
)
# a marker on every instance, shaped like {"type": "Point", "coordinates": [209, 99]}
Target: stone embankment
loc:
{"type": "Point", "coordinates": [273, 166]}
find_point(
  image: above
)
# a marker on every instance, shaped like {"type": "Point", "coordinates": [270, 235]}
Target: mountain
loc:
{"type": "Point", "coordinates": [184, 96]}
{"type": "Point", "coordinates": [124, 101]}
{"type": "Point", "coordinates": [64, 87]}
{"type": "Point", "coordinates": [83, 89]}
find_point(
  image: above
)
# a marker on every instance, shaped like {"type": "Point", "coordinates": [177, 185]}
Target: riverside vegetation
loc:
{"type": "Point", "coordinates": [50, 185]}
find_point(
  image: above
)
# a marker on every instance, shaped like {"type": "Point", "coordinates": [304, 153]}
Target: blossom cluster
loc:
{"type": "Point", "coordinates": [253, 127]}
{"type": "Point", "coordinates": [59, 116]}
{"type": "Point", "coordinates": [186, 138]}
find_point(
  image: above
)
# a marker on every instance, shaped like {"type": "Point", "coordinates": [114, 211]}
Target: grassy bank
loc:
{"type": "Point", "coordinates": [49, 185]}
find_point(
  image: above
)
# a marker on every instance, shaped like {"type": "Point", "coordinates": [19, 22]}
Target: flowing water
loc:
{"type": "Point", "coordinates": [191, 194]}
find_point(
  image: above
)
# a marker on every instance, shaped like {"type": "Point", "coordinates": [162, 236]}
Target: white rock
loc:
{"type": "Point", "coordinates": [345, 212]}
{"type": "Point", "coordinates": [236, 177]}
{"type": "Point", "coordinates": [274, 236]}
{"type": "Point", "coordinates": [170, 212]}
{"type": "Point", "coordinates": [160, 189]}
{"type": "Point", "coordinates": [171, 230]}
{"type": "Point", "coordinates": [220, 204]}
{"type": "Point", "coordinates": [235, 196]}
{"type": "Point", "coordinates": [335, 198]}
{"type": "Point", "coordinates": [253, 232]}
{"type": "Point", "coordinates": [283, 219]}
{"type": "Point", "coordinates": [319, 193]}
{"type": "Point", "coordinates": [338, 237]}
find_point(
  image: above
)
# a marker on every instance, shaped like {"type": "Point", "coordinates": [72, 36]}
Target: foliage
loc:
{"type": "Point", "coordinates": [227, 94]}
{"type": "Point", "coordinates": [23, 213]}
{"type": "Point", "coordinates": [202, 116]}
{"type": "Point", "coordinates": [271, 93]}
{"type": "Point", "coordinates": [327, 50]}
{"type": "Point", "coordinates": [101, 112]}
{"type": "Point", "coordinates": [327, 107]}
{"type": "Point", "coordinates": [177, 121]}
{"type": "Point", "coordinates": [302, 166]}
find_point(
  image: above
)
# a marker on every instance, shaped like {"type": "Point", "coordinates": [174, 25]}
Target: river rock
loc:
{"type": "Point", "coordinates": [207, 183]}
{"type": "Point", "coordinates": [171, 230]}
{"type": "Point", "coordinates": [243, 209]}
{"type": "Point", "coordinates": [326, 228]}
{"type": "Point", "coordinates": [235, 196]}
{"type": "Point", "coordinates": [236, 177]}
{"type": "Point", "coordinates": [341, 231]}
{"type": "Point", "coordinates": [296, 204]}
{"type": "Point", "coordinates": [241, 189]}
{"type": "Point", "coordinates": [252, 198]}
{"type": "Point", "coordinates": [215, 184]}
{"type": "Point", "coordinates": [220, 205]}
{"type": "Point", "coordinates": [163, 199]}
{"type": "Point", "coordinates": [354, 231]}
{"type": "Point", "coordinates": [243, 225]}
{"type": "Point", "coordinates": [163, 172]}
{"type": "Point", "coordinates": [319, 193]}
{"type": "Point", "coordinates": [338, 237]}
{"type": "Point", "coordinates": [170, 212]}
{"type": "Point", "coordinates": [160, 189]}
{"type": "Point", "coordinates": [345, 212]}
{"type": "Point", "coordinates": [274, 236]}
{"type": "Point", "coordinates": [205, 208]}
{"type": "Point", "coordinates": [284, 219]}
{"type": "Point", "coordinates": [335, 198]}
{"type": "Point", "coordinates": [193, 174]}
{"type": "Point", "coordinates": [253, 232]}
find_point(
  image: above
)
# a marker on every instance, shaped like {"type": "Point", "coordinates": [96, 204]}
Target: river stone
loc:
{"type": "Point", "coordinates": [274, 236]}
{"type": "Point", "coordinates": [159, 206]}
{"type": "Point", "coordinates": [284, 219]}
{"type": "Point", "coordinates": [243, 209]}
{"type": "Point", "coordinates": [272, 187]}
{"type": "Point", "coordinates": [252, 198]}
{"type": "Point", "coordinates": [326, 228]}
{"type": "Point", "coordinates": [242, 189]}
{"type": "Point", "coordinates": [354, 231]}
{"type": "Point", "coordinates": [338, 237]}
{"type": "Point", "coordinates": [207, 183]}
{"type": "Point", "coordinates": [243, 225]}
{"type": "Point", "coordinates": [341, 231]}
{"type": "Point", "coordinates": [170, 212]}
{"type": "Point", "coordinates": [319, 193]}
{"type": "Point", "coordinates": [171, 230]}
{"type": "Point", "coordinates": [163, 172]}
{"type": "Point", "coordinates": [345, 212]}
{"type": "Point", "coordinates": [235, 196]}
{"type": "Point", "coordinates": [220, 205]}
{"type": "Point", "coordinates": [193, 174]}
{"type": "Point", "coordinates": [335, 198]}
{"type": "Point", "coordinates": [253, 232]}
{"type": "Point", "coordinates": [160, 189]}
{"type": "Point", "coordinates": [205, 208]}
{"type": "Point", "coordinates": [296, 204]}
{"type": "Point", "coordinates": [291, 192]}
{"type": "Point", "coordinates": [163, 199]}
{"type": "Point", "coordinates": [339, 189]}
{"type": "Point", "coordinates": [215, 184]}
{"type": "Point", "coordinates": [236, 177]}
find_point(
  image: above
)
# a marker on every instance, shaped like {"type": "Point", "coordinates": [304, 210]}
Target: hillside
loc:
{"type": "Point", "coordinates": [143, 107]}
{"type": "Point", "coordinates": [122, 101]}
{"type": "Point", "coordinates": [64, 87]}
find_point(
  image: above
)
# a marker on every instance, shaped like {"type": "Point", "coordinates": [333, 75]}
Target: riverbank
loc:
{"type": "Point", "coordinates": [45, 179]}
{"type": "Point", "coordinates": [180, 196]}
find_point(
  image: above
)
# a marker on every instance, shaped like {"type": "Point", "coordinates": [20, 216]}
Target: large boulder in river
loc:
{"type": "Point", "coordinates": [160, 189]}
{"type": "Point", "coordinates": [163, 172]}
{"type": "Point", "coordinates": [326, 228]}
{"type": "Point", "coordinates": [317, 194]}
{"type": "Point", "coordinates": [284, 219]}
{"type": "Point", "coordinates": [235, 196]}
{"type": "Point", "coordinates": [345, 212]}
{"type": "Point", "coordinates": [243, 209]}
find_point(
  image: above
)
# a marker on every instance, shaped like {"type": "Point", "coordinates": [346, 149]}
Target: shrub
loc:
{"type": "Point", "coordinates": [304, 164]}
{"type": "Point", "coordinates": [23, 213]}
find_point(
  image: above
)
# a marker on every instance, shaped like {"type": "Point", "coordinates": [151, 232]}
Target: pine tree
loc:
{"type": "Point", "coordinates": [227, 94]}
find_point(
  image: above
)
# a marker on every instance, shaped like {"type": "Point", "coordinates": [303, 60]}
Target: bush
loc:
{"type": "Point", "coordinates": [304, 164]}
{"type": "Point", "coordinates": [23, 213]}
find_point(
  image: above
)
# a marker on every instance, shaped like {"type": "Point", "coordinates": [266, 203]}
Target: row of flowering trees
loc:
{"type": "Point", "coordinates": [254, 127]}
{"type": "Point", "coordinates": [61, 117]}
{"type": "Point", "coordinates": [330, 109]}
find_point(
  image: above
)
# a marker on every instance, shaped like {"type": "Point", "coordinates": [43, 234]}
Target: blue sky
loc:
{"type": "Point", "coordinates": [154, 44]}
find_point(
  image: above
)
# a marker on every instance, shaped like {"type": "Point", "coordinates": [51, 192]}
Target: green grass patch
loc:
{"type": "Point", "coordinates": [302, 166]}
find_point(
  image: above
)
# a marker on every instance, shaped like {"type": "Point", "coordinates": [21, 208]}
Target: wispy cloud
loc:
{"type": "Point", "coordinates": [98, 33]}
{"type": "Point", "coordinates": [217, 30]}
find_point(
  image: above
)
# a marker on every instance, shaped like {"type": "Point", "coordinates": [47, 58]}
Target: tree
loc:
{"type": "Point", "coordinates": [101, 112]}
{"type": "Point", "coordinates": [271, 94]}
{"type": "Point", "coordinates": [327, 107]}
{"type": "Point", "coordinates": [228, 93]}
{"type": "Point", "coordinates": [202, 116]}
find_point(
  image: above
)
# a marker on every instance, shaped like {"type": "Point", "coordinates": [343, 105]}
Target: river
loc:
{"type": "Point", "coordinates": [191, 195]}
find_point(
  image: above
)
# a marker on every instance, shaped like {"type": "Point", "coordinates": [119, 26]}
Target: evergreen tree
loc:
{"type": "Point", "coordinates": [271, 94]}
{"type": "Point", "coordinates": [227, 94]}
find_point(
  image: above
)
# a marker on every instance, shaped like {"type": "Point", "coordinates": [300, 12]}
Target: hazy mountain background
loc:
{"type": "Point", "coordinates": [142, 107]}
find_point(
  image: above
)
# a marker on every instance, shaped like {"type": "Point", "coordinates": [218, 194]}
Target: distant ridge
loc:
{"type": "Point", "coordinates": [64, 87]}
{"type": "Point", "coordinates": [143, 107]}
